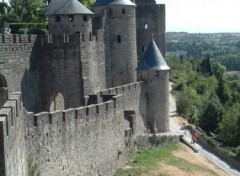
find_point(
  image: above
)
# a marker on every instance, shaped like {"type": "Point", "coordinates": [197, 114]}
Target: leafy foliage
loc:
{"type": "Point", "coordinates": [29, 10]}
{"type": "Point", "coordinates": [88, 3]}
{"type": "Point", "coordinates": [229, 128]}
{"type": "Point", "coordinates": [212, 113]}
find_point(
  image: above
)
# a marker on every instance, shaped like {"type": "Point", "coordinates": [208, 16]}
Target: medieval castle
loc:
{"type": "Point", "coordinates": [76, 101]}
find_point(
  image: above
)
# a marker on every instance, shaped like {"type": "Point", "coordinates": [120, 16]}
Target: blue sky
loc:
{"type": "Point", "coordinates": [202, 15]}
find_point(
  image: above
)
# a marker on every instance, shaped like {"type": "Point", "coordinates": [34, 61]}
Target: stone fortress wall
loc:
{"type": "Point", "coordinates": [67, 118]}
{"type": "Point", "coordinates": [76, 141]}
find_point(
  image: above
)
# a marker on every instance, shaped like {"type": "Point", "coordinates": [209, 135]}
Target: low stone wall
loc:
{"type": "Point", "coordinates": [215, 150]}
{"type": "Point", "coordinates": [158, 140]}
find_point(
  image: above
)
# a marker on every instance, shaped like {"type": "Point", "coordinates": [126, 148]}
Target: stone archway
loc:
{"type": "Point", "coordinates": [56, 102]}
{"type": "Point", "coordinates": [3, 91]}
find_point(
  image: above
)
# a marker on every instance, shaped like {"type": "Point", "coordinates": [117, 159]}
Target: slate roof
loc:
{"type": "Point", "coordinates": [113, 2]}
{"type": "Point", "coordinates": [66, 7]}
{"type": "Point", "coordinates": [152, 59]}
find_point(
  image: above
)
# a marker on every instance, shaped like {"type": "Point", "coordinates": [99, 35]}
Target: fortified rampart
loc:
{"type": "Point", "coordinates": [42, 66]}
{"type": "Point", "coordinates": [77, 141]}
{"type": "Point", "coordinates": [12, 143]}
{"type": "Point", "coordinates": [69, 117]}
{"type": "Point", "coordinates": [16, 52]}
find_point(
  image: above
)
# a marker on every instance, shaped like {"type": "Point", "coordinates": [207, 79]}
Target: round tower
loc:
{"type": "Point", "coordinates": [154, 71]}
{"type": "Point", "coordinates": [150, 20]}
{"type": "Point", "coordinates": [122, 39]}
{"type": "Point", "coordinates": [68, 17]}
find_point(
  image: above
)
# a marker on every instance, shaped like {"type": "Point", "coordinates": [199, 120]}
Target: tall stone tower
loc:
{"type": "Point", "coordinates": [150, 20]}
{"type": "Point", "coordinates": [121, 40]}
{"type": "Point", "coordinates": [68, 17]}
{"type": "Point", "coordinates": [154, 71]}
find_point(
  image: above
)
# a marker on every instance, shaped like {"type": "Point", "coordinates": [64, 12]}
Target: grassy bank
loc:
{"type": "Point", "coordinates": [155, 161]}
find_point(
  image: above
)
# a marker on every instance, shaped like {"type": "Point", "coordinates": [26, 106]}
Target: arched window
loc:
{"type": "Point", "coordinates": [56, 102]}
{"type": "Point", "coordinates": [143, 48]}
{"type": "Point", "coordinates": [3, 91]}
{"type": "Point", "coordinates": [119, 39]}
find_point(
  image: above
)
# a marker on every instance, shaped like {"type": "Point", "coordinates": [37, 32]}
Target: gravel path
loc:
{"type": "Point", "coordinates": [175, 128]}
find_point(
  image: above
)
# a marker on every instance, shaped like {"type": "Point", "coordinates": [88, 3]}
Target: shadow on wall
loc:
{"type": "Point", "coordinates": [3, 91]}
{"type": "Point", "coordinates": [30, 81]}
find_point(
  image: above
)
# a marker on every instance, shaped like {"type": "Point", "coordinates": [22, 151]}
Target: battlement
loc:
{"type": "Point", "coordinates": [9, 114]}
{"type": "Point", "coordinates": [121, 89]}
{"type": "Point", "coordinates": [36, 123]}
{"type": "Point", "coordinates": [60, 40]}
{"type": "Point", "coordinates": [17, 38]}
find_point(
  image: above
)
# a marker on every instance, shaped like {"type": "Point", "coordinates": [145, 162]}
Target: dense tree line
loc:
{"type": "Point", "coordinates": [28, 11]}
{"type": "Point", "coordinates": [209, 98]}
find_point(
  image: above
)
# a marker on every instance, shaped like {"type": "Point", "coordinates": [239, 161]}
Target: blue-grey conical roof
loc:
{"type": "Point", "coordinates": [152, 59]}
{"type": "Point", "coordinates": [66, 7]}
{"type": "Point", "coordinates": [113, 2]}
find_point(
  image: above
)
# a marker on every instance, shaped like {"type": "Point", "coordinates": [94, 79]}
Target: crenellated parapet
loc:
{"type": "Point", "coordinates": [80, 140]}
{"type": "Point", "coordinates": [12, 144]}
{"type": "Point", "coordinates": [16, 38]}
{"type": "Point", "coordinates": [62, 40]}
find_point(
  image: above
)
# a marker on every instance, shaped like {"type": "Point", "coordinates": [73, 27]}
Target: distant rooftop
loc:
{"type": "Point", "coordinates": [152, 59]}
{"type": "Point", "coordinates": [66, 7]}
{"type": "Point", "coordinates": [113, 2]}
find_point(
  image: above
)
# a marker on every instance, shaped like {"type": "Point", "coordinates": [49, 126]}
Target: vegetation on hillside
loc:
{"type": "Point", "coordinates": [208, 98]}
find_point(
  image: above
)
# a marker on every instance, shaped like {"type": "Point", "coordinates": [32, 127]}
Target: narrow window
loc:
{"type": "Point", "coordinates": [83, 37]}
{"type": "Point", "coordinates": [90, 36]}
{"type": "Point", "coordinates": [57, 19]}
{"type": "Point", "coordinates": [119, 38]}
{"type": "Point", "coordinates": [70, 17]}
{"type": "Point", "coordinates": [123, 11]}
{"type": "Point", "coordinates": [145, 26]}
{"type": "Point", "coordinates": [143, 48]}
{"type": "Point", "coordinates": [157, 73]}
{"type": "Point", "coordinates": [84, 17]}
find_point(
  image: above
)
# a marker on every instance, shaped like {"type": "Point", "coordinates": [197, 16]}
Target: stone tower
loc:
{"type": "Point", "coordinates": [154, 71]}
{"type": "Point", "coordinates": [150, 20]}
{"type": "Point", "coordinates": [121, 60]}
{"type": "Point", "coordinates": [68, 17]}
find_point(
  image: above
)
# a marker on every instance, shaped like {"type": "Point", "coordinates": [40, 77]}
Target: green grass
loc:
{"type": "Point", "coordinates": [148, 160]}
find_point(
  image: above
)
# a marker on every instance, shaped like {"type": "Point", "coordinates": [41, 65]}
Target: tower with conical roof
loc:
{"type": "Point", "coordinates": [68, 17]}
{"type": "Point", "coordinates": [120, 38]}
{"type": "Point", "coordinates": [154, 71]}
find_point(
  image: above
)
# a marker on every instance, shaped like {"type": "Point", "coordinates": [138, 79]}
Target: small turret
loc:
{"type": "Point", "coordinates": [68, 17]}
{"type": "Point", "coordinates": [154, 71]}
{"type": "Point", "coordinates": [120, 40]}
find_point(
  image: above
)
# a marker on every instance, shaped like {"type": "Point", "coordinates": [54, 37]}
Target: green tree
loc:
{"type": "Point", "coordinates": [88, 3]}
{"type": "Point", "coordinates": [183, 104]}
{"type": "Point", "coordinates": [229, 127]}
{"type": "Point", "coordinates": [29, 10]}
{"type": "Point", "coordinates": [212, 113]}
{"type": "Point", "coordinates": [218, 70]}
{"type": "Point", "coordinates": [205, 66]}
{"type": "Point", "coordinates": [223, 92]}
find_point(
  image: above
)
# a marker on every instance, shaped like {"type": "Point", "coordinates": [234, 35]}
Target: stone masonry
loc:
{"type": "Point", "coordinates": [70, 101]}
